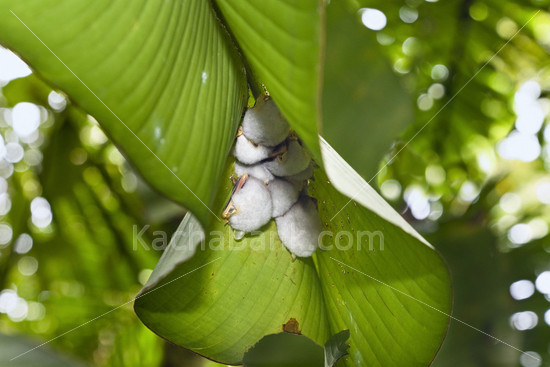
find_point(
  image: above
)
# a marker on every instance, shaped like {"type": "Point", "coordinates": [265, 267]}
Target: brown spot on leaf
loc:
{"type": "Point", "coordinates": [292, 326]}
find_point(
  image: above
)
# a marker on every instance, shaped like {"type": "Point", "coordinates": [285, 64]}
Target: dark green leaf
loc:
{"type": "Point", "coordinates": [380, 278]}
{"type": "Point", "coordinates": [365, 106]}
{"type": "Point", "coordinates": [336, 347]}
{"type": "Point", "coordinates": [230, 293]}
{"type": "Point", "coordinates": [288, 350]}
{"type": "Point", "coordinates": [282, 43]}
{"type": "Point", "coordinates": [161, 77]}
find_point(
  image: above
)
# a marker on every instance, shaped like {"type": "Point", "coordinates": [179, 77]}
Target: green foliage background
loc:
{"type": "Point", "coordinates": [88, 262]}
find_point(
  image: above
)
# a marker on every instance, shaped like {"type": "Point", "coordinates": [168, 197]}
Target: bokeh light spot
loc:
{"type": "Point", "coordinates": [408, 15]}
{"type": "Point", "coordinates": [523, 147]}
{"type": "Point", "coordinates": [522, 289]}
{"type": "Point", "coordinates": [506, 28]}
{"type": "Point", "coordinates": [41, 213]}
{"type": "Point", "coordinates": [373, 19]}
{"type": "Point", "coordinates": [530, 359]}
{"type": "Point", "coordinates": [6, 234]}
{"type": "Point", "coordinates": [520, 234]}
{"type": "Point", "coordinates": [479, 11]}
{"type": "Point", "coordinates": [27, 265]}
{"type": "Point", "coordinates": [510, 202]}
{"type": "Point", "coordinates": [436, 91]}
{"type": "Point", "coordinates": [23, 244]}
{"type": "Point", "coordinates": [25, 118]}
{"type": "Point", "coordinates": [391, 189]}
{"type": "Point", "coordinates": [543, 282]}
{"type": "Point", "coordinates": [524, 320]}
{"type": "Point", "coordinates": [11, 66]}
{"type": "Point", "coordinates": [439, 72]}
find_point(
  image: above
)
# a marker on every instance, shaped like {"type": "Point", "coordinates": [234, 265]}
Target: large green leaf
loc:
{"type": "Point", "coordinates": [365, 106]}
{"type": "Point", "coordinates": [282, 43]}
{"type": "Point", "coordinates": [386, 285]}
{"type": "Point", "coordinates": [222, 300]}
{"type": "Point", "coordinates": [343, 81]}
{"type": "Point", "coordinates": [161, 77]}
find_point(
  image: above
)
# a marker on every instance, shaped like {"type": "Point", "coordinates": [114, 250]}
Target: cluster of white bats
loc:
{"type": "Point", "coordinates": [273, 169]}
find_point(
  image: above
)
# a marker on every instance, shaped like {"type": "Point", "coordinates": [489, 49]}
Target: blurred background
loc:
{"type": "Point", "coordinates": [474, 180]}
